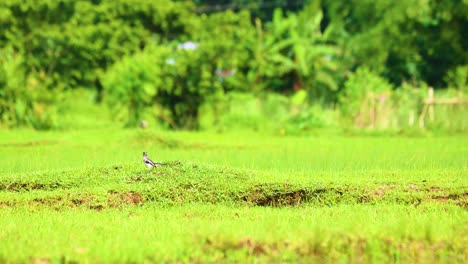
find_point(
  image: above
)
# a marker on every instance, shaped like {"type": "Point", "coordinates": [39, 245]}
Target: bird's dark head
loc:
{"type": "Point", "coordinates": [144, 154]}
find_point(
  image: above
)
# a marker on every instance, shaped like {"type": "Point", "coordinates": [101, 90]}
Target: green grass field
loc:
{"type": "Point", "coordinates": [86, 196]}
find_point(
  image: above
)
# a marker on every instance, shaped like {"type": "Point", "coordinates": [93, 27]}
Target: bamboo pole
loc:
{"type": "Point", "coordinates": [446, 101]}
{"type": "Point", "coordinates": [431, 104]}
{"type": "Point", "coordinates": [372, 110]}
{"type": "Point", "coordinates": [411, 118]}
{"type": "Point", "coordinates": [422, 116]}
{"type": "Point", "coordinates": [431, 101]}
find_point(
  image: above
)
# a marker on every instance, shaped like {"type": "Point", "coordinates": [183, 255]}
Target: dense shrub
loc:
{"type": "Point", "coordinates": [25, 99]}
{"type": "Point", "coordinates": [408, 104]}
{"type": "Point", "coordinates": [180, 77]}
{"type": "Point", "coordinates": [72, 42]}
{"type": "Point", "coordinates": [363, 92]}
{"type": "Point", "coordinates": [165, 60]}
{"type": "Point", "coordinates": [292, 53]}
{"type": "Point", "coordinates": [177, 80]}
{"type": "Point", "coordinates": [133, 82]}
{"type": "Point", "coordinates": [457, 78]}
{"type": "Point", "coordinates": [272, 113]}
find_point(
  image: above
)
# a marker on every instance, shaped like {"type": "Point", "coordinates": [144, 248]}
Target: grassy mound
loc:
{"type": "Point", "coordinates": [179, 183]}
{"type": "Point", "coordinates": [86, 197]}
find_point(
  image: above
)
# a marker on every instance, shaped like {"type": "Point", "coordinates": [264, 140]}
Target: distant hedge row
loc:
{"type": "Point", "coordinates": [138, 53]}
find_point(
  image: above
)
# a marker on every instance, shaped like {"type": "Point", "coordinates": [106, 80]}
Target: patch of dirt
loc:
{"type": "Point", "coordinates": [97, 207]}
{"type": "Point", "coordinates": [113, 199]}
{"type": "Point", "coordinates": [380, 192]}
{"type": "Point", "coordinates": [136, 178]}
{"type": "Point", "coordinates": [420, 247]}
{"type": "Point", "coordinates": [459, 199]}
{"type": "Point", "coordinates": [410, 249]}
{"type": "Point", "coordinates": [435, 189]}
{"type": "Point", "coordinates": [41, 260]}
{"type": "Point", "coordinates": [27, 186]}
{"type": "Point", "coordinates": [406, 195]}
{"type": "Point", "coordinates": [251, 247]}
{"type": "Point", "coordinates": [44, 260]}
{"type": "Point", "coordinates": [463, 204]}
{"type": "Point", "coordinates": [413, 187]}
{"type": "Point", "coordinates": [175, 163]}
{"type": "Point", "coordinates": [277, 196]}
{"type": "Point", "coordinates": [116, 199]}
{"type": "Point", "coordinates": [58, 202]}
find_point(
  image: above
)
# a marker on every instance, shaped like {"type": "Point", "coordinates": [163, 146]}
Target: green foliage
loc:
{"type": "Point", "coordinates": [360, 87]}
{"type": "Point", "coordinates": [177, 80]}
{"type": "Point", "coordinates": [457, 78]}
{"type": "Point", "coordinates": [402, 40]}
{"type": "Point", "coordinates": [181, 78]}
{"type": "Point", "coordinates": [24, 98]}
{"type": "Point", "coordinates": [293, 53]}
{"type": "Point", "coordinates": [452, 118]}
{"type": "Point", "coordinates": [78, 105]}
{"type": "Point", "coordinates": [304, 116]}
{"type": "Point", "coordinates": [73, 42]}
{"type": "Point", "coordinates": [131, 52]}
{"type": "Point", "coordinates": [243, 111]}
{"type": "Point", "coordinates": [309, 119]}
{"type": "Point", "coordinates": [259, 8]}
{"type": "Point", "coordinates": [134, 82]}
{"type": "Point", "coordinates": [11, 77]}
{"type": "Point", "coordinates": [272, 113]}
{"type": "Point", "coordinates": [408, 103]}
{"type": "Point", "coordinates": [230, 57]}
{"type": "Point", "coordinates": [190, 81]}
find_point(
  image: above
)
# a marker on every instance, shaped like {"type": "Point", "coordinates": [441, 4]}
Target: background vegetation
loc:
{"type": "Point", "coordinates": [380, 176]}
{"type": "Point", "coordinates": [176, 63]}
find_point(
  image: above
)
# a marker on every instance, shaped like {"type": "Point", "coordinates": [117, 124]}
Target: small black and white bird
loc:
{"type": "Point", "coordinates": [149, 163]}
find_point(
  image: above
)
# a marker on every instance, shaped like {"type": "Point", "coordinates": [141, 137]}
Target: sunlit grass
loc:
{"type": "Point", "coordinates": [203, 232]}
{"type": "Point", "coordinates": [86, 196]}
{"type": "Point", "coordinates": [27, 152]}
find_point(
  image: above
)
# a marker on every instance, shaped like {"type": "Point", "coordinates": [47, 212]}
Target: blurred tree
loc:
{"type": "Point", "coordinates": [180, 77]}
{"type": "Point", "coordinates": [262, 9]}
{"type": "Point", "coordinates": [403, 40]}
{"type": "Point", "coordinates": [361, 90]}
{"type": "Point", "coordinates": [293, 54]}
{"type": "Point", "coordinates": [73, 42]}
{"type": "Point", "coordinates": [25, 99]}
{"type": "Point", "coordinates": [132, 83]}
{"type": "Point", "coordinates": [196, 57]}
{"type": "Point", "coordinates": [457, 78]}
{"type": "Point", "coordinates": [227, 38]}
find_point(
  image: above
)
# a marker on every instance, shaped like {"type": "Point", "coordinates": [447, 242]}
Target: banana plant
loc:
{"type": "Point", "coordinates": [293, 51]}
